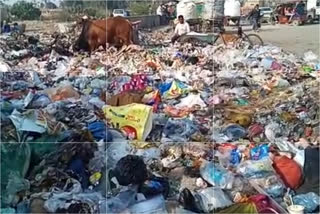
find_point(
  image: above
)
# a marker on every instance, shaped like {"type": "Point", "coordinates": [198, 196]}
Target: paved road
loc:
{"type": "Point", "coordinates": [296, 39]}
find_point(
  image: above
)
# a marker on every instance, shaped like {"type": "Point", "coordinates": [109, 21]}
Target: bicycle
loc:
{"type": "Point", "coordinates": [238, 38]}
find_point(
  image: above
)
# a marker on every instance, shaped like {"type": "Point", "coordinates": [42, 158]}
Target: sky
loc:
{"type": "Point", "coordinates": [11, 2]}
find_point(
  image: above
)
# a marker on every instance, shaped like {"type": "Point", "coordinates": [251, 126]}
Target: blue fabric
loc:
{"type": "Point", "coordinates": [77, 166]}
{"type": "Point", "coordinates": [99, 131]}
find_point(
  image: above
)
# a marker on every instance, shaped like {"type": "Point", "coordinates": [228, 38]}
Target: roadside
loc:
{"type": "Point", "coordinates": [296, 39]}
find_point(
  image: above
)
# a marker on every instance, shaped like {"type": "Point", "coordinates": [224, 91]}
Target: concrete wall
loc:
{"type": "Point", "coordinates": [149, 21]}
{"type": "Point", "coordinates": [3, 13]}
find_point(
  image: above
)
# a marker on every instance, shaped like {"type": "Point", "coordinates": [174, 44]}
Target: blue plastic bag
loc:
{"type": "Point", "coordinates": [179, 130]}
{"type": "Point", "coordinates": [235, 132]}
{"type": "Point", "coordinates": [235, 157]}
{"type": "Point", "coordinates": [259, 152]}
{"type": "Point", "coordinates": [310, 201]}
{"type": "Point", "coordinates": [216, 175]}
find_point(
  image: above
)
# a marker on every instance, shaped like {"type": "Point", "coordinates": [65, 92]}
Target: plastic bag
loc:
{"type": "Point", "coordinates": [310, 201]}
{"type": "Point", "coordinates": [310, 56]}
{"type": "Point", "coordinates": [259, 152]}
{"type": "Point", "coordinates": [212, 198]}
{"type": "Point", "coordinates": [232, 8]}
{"type": "Point", "coordinates": [173, 90]}
{"type": "Point", "coordinates": [216, 175]}
{"type": "Point", "coordinates": [289, 171]}
{"type": "Point", "coordinates": [234, 132]}
{"type": "Point", "coordinates": [131, 169]}
{"type": "Point", "coordinates": [99, 131]}
{"type": "Point", "coordinates": [272, 185]}
{"type": "Point", "coordinates": [39, 101]}
{"type": "Point", "coordinates": [7, 211]}
{"type": "Point", "coordinates": [179, 130]}
{"type": "Point", "coordinates": [155, 205]}
{"type": "Point", "coordinates": [62, 92]}
{"type": "Point", "coordinates": [15, 161]}
{"type": "Point", "coordinates": [28, 121]}
{"type": "Point", "coordinates": [187, 8]}
{"type": "Point", "coordinates": [255, 169]}
{"type": "Point", "coordinates": [135, 116]}
{"type": "Point", "coordinates": [122, 201]}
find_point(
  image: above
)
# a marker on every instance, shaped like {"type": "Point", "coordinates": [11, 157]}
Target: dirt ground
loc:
{"type": "Point", "coordinates": [296, 39]}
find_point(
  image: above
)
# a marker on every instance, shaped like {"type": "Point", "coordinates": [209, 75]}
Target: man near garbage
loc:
{"type": "Point", "coordinates": [160, 14]}
{"type": "Point", "coordinates": [255, 16]}
{"type": "Point", "coordinates": [6, 28]}
{"type": "Point", "coordinates": [181, 29]}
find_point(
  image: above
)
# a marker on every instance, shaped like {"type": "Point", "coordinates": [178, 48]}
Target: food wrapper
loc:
{"type": "Point", "coordinates": [137, 116]}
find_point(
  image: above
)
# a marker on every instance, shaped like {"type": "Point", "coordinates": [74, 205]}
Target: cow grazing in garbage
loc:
{"type": "Point", "coordinates": [116, 31]}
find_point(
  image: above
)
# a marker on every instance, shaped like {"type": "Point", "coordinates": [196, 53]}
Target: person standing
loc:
{"type": "Point", "coordinates": [255, 16]}
{"type": "Point", "coordinates": [160, 14]}
{"type": "Point", "coordinates": [181, 29]}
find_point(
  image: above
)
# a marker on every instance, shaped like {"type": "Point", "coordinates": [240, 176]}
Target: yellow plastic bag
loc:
{"type": "Point", "coordinates": [136, 116]}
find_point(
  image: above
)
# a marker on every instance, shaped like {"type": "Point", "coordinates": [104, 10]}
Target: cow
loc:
{"type": "Point", "coordinates": [116, 31]}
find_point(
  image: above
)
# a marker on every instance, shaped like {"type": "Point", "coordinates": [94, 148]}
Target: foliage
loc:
{"type": "Point", "coordinates": [95, 12]}
{"type": "Point", "coordinates": [25, 11]}
{"type": "Point", "coordinates": [139, 8]}
{"type": "Point", "coordinates": [65, 16]}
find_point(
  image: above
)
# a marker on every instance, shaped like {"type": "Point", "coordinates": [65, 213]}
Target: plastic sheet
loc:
{"type": "Point", "coordinates": [216, 175]}
{"type": "Point", "coordinates": [310, 201]}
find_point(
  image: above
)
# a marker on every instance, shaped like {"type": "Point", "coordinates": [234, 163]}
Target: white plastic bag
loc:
{"type": "Point", "coordinates": [232, 8]}
{"type": "Point", "coordinates": [187, 9]}
{"type": "Point", "coordinates": [212, 198]}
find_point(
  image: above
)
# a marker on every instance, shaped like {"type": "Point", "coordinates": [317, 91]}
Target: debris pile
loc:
{"type": "Point", "coordinates": [179, 129]}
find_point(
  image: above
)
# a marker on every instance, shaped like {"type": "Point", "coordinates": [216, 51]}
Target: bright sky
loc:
{"type": "Point", "coordinates": [11, 2]}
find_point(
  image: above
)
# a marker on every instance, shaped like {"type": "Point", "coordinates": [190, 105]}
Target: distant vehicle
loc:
{"type": "Point", "coordinates": [120, 12]}
{"type": "Point", "coordinates": [313, 10]}
{"type": "Point", "coordinates": [266, 12]}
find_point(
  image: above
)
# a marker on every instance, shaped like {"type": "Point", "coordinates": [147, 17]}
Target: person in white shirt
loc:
{"type": "Point", "coordinates": [182, 28]}
{"type": "Point", "coordinates": [160, 11]}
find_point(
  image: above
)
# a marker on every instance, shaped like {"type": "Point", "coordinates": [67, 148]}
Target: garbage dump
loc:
{"type": "Point", "coordinates": [157, 129]}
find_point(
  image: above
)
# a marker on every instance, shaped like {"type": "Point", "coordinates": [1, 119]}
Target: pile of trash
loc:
{"type": "Point", "coordinates": [179, 129]}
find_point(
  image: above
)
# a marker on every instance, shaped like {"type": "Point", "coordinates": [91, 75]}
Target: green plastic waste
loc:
{"type": "Point", "coordinates": [248, 208]}
{"type": "Point", "coordinates": [242, 102]}
{"type": "Point", "coordinates": [15, 162]}
{"type": "Point", "coordinates": [16, 159]}
{"type": "Point", "coordinates": [7, 211]}
{"type": "Point", "coordinates": [307, 68]}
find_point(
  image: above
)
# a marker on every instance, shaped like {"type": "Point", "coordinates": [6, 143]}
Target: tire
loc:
{"type": "Point", "coordinates": [296, 22]}
{"type": "Point", "coordinates": [253, 39]}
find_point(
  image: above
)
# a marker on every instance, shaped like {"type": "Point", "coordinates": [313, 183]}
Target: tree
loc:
{"type": "Point", "coordinates": [25, 10]}
{"type": "Point", "coordinates": [139, 8]}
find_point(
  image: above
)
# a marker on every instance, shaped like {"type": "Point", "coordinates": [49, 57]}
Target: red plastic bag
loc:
{"type": "Point", "coordinates": [289, 171]}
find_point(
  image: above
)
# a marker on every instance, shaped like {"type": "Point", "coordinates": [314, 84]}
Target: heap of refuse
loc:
{"type": "Point", "coordinates": [179, 129]}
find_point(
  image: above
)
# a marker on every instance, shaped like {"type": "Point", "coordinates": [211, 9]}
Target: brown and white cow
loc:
{"type": "Point", "coordinates": [116, 31]}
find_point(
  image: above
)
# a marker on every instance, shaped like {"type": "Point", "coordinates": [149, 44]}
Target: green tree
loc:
{"type": "Point", "coordinates": [139, 8]}
{"type": "Point", "coordinates": [25, 10]}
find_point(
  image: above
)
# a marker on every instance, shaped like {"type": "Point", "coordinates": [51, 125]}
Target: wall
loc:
{"type": "Point", "coordinates": [3, 13]}
{"type": "Point", "coordinates": [149, 21]}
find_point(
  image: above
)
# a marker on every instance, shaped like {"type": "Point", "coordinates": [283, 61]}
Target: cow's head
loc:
{"type": "Point", "coordinates": [82, 41]}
